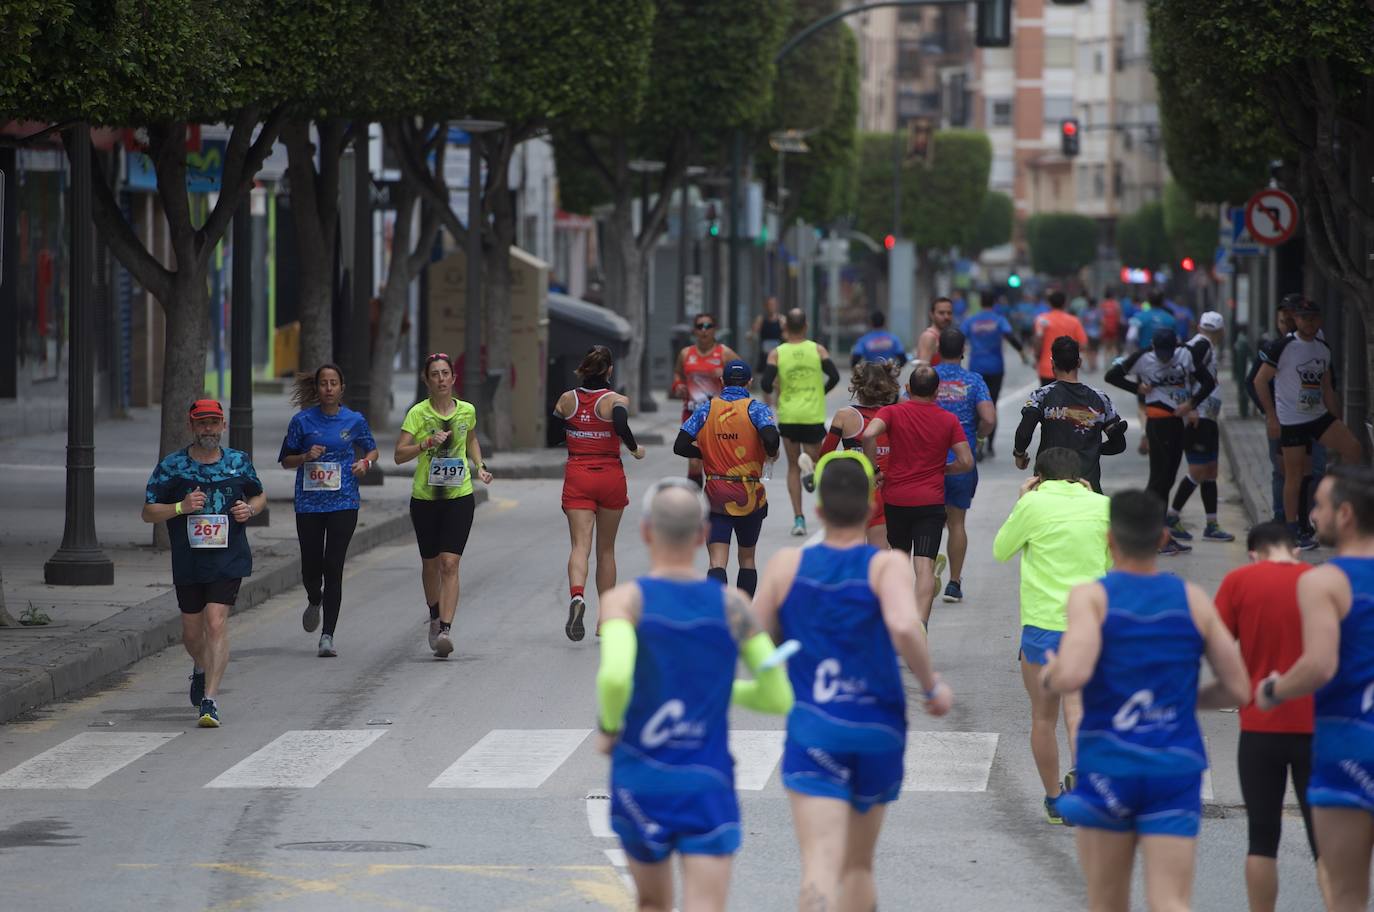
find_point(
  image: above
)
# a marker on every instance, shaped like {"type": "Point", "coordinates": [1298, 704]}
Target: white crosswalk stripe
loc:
{"type": "Point", "coordinates": [948, 761]}
{"type": "Point", "coordinates": [756, 754]}
{"type": "Point", "coordinates": [82, 761]}
{"type": "Point", "coordinates": [512, 758]}
{"type": "Point", "coordinates": [297, 759]}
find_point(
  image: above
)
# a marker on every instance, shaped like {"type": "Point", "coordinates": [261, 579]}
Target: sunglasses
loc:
{"type": "Point", "coordinates": [438, 356]}
{"type": "Point", "coordinates": [706, 326]}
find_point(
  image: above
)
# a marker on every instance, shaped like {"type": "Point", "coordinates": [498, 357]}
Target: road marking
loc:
{"type": "Point", "coordinates": [296, 759]}
{"type": "Point", "coordinates": [83, 760]}
{"type": "Point", "coordinates": [599, 814]}
{"type": "Point", "coordinates": [755, 753]}
{"type": "Point", "coordinates": [948, 761]}
{"type": "Point", "coordinates": [512, 758]}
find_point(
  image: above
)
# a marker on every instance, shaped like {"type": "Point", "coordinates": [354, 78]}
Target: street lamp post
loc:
{"type": "Point", "coordinates": [474, 383]}
{"type": "Point", "coordinates": [684, 239]}
{"type": "Point", "coordinates": [241, 340]}
{"type": "Point", "coordinates": [782, 142]}
{"type": "Point", "coordinates": [360, 383]}
{"type": "Point", "coordinates": [644, 168]}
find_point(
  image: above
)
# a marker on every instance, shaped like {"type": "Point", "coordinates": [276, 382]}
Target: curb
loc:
{"type": "Point", "coordinates": [1256, 510]}
{"type": "Point", "coordinates": [63, 668]}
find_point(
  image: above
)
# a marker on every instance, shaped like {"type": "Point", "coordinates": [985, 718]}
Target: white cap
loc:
{"type": "Point", "coordinates": [1211, 320]}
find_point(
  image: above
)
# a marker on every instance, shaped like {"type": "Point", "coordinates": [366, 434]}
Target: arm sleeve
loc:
{"type": "Point", "coordinates": [1250, 383]}
{"type": "Point", "coordinates": [770, 376]}
{"type": "Point", "coordinates": [1116, 374]}
{"type": "Point", "coordinates": [1114, 432]}
{"type": "Point", "coordinates": [772, 440]}
{"type": "Point", "coordinates": [620, 419]}
{"type": "Point", "coordinates": [615, 676]}
{"type": "Point", "coordinates": [1030, 417]}
{"type": "Point", "coordinates": [832, 374]}
{"type": "Point", "coordinates": [1205, 383]}
{"type": "Point", "coordinates": [770, 691]}
{"type": "Point", "coordinates": [686, 445]}
{"type": "Point", "coordinates": [832, 440]}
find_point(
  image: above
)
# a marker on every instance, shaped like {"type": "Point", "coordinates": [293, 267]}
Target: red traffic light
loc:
{"type": "Point", "coordinates": [1188, 264]}
{"type": "Point", "coordinates": [1069, 127]}
{"type": "Point", "coordinates": [889, 242]}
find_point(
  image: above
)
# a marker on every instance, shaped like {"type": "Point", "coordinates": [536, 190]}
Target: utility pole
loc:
{"type": "Point", "coordinates": [360, 379]}
{"type": "Point", "coordinates": [241, 340]}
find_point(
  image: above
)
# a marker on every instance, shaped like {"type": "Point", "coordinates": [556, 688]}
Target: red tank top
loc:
{"type": "Point", "coordinates": [703, 372]}
{"type": "Point", "coordinates": [588, 434]}
{"type": "Point", "coordinates": [867, 413]}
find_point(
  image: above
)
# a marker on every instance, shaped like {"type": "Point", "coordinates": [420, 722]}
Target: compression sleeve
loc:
{"type": "Point", "coordinates": [1206, 383]}
{"type": "Point", "coordinates": [1115, 441]}
{"type": "Point", "coordinates": [686, 445]}
{"type": "Point", "coordinates": [1025, 430]}
{"type": "Point", "coordinates": [833, 438]}
{"type": "Point", "coordinates": [615, 677]}
{"type": "Point", "coordinates": [772, 440]}
{"type": "Point", "coordinates": [770, 691]}
{"type": "Point", "coordinates": [620, 419]}
{"type": "Point", "coordinates": [832, 374]}
{"type": "Point", "coordinates": [1116, 375]}
{"type": "Point", "coordinates": [770, 376]}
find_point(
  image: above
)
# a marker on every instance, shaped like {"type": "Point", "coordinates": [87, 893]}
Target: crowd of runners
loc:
{"type": "Point", "coordinates": [1109, 643]}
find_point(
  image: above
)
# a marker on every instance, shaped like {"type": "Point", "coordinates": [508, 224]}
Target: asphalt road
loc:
{"type": "Point", "coordinates": [386, 779]}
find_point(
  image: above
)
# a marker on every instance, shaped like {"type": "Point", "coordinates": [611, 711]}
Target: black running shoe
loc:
{"type": "Point", "coordinates": [574, 628]}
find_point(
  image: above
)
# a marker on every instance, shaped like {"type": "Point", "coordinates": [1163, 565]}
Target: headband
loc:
{"type": "Point", "coordinates": [855, 455]}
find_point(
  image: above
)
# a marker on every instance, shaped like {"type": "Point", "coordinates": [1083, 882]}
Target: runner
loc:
{"type": "Point", "coordinates": [941, 319]}
{"type": "Point", "coordinates": [596, 421]}
{"type": "Point", "coordinates": [878, 344]}
{"type": "Point", "coordinates": [321, 444]}
{"type": "Point", "coordinates": [441, 432]}
{"type": "Point", "coordinates": [1302, 407]}
{"type": "Point", "coordinates": [669, 644]}
{"type": "Point", "coordinates": [921, 435]}
{"type": "Point", "coordinates": [964, 395]}
{"type": "Point", "coordinates": [733, 435]}
{"type": "Point", "coordinates": [1060, 528]}
{"type": "Point", "coordinates": [1111, 325]}
{"type": "Point", "coordinates": [767, 331]}
{"type": "Point", "coordinates": [804, 374]}
{"type": "Point", "coordinates": [696, 376]}
{"type": "Point", "coordinates": [1172, 387]}
{"type": "Point", "coordinates": [1049, 326]}
{"type": "Point", "coordinates": [850, 607]}
{"type": "Point", "coordinates": [1091, 318]}
{"type": "Point", "coordinates": [874, 385]}
{"type": "Point", "coordinates": [1151, 316]}
{"type": "Point", "coordinates": [985, 331]}
{"type": "Point", "coordinates": [1202, 437]}
{"type": "Point", "coordinates": [1133, 644]}
{"type": "Point", "coordinates": [205, 493]}
{"type": "Point", "coordinates": [1258, 603]}
{"type": "Point", "coordinates": [1072, 415]}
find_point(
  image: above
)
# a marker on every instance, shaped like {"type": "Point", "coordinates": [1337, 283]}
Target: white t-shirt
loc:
{"type": "Point", "coordinates": [1205, 354]}
{"type": "Point", "coordinates": [1171, 382]}
{"type": "Point", "coordinates": [1299, 366]}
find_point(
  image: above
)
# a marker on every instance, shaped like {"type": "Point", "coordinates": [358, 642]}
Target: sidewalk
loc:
{"type": "Point", "coordinates": [96, 631]}
{"type": "Point", "coordinates": [1246, 445]}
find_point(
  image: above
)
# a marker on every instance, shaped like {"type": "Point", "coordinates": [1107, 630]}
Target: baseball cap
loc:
{"type": "Point", "coordinates": [206, 408]}
{"type": "Point", "coordinates": [737, 373]}
{"type": "Point", "coordinates": [1291, 301]}
{"type": "Point", "coordinates": [1307, 308]}
{"type": "Point", "coordinates": [1211, 320]}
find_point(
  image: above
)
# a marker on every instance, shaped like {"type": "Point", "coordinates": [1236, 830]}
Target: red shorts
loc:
{"type": "Point", "coordinates": [879, 517]}
{"type": "Point", "coordinates": [594, 485]}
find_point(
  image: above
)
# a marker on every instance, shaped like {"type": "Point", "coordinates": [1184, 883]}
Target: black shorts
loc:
{"type": "Point", "coordinates": [994, 382]}
{"type": "Point", "coordinates": [803, 433]}
{"type": "Point", "coordinates": [915, 530]}
{"type": "Point", "coordinates": [442, 526]}
{"type": "Point", "coordinates": [1305, 434]}
{"type": "Point", "coordinates": [1201, 441]}
{"type": "Point", "coordinates": [193, 597]}
{"type": "Point", "coordinates": [746, 529]}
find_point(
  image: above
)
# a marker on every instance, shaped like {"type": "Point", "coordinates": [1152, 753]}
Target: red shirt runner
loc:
{"type": "Point", "coordinates": [588, 434]}
{"type": "Point", "coordinates": [921, 434]}
{"type": "Point", "coordinates": [1259, 605]}
{"type": "Point", "coordinates": [1052, 325]}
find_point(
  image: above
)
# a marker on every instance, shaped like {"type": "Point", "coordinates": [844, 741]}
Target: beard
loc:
{"type": "Point", "coordinates": [208, 441]}
{"type": "Point", "coordinates": [1326, 536]}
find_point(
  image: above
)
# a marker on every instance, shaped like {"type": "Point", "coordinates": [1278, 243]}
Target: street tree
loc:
{"type": "Point", "coordinates": [994, 225]}
{"type": "Point", "coordinates": [1141, 239]}
{"type": "Point", "coordinates": [1061, 243]}
{"type": "Point", "coordinates": [1191, 229]}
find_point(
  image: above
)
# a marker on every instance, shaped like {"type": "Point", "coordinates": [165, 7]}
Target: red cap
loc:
{"type": "Point", "coordinates": [206, 408]}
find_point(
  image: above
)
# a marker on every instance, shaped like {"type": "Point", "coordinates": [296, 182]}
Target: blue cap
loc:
{"type": "Point", "coordinates": [737, 373]}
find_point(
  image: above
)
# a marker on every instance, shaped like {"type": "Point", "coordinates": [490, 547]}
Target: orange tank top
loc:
{"type": "Point", "coordinates": [703, 373]}
{"type": "Point", "coordinates": [732, 456]}
{"type": "Point", "coordinates": [589, 435]}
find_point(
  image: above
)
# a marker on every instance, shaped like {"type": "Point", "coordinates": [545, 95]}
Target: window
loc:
{"type": "Point", "coordinates": [1099, 64]}
{"type": "Point", "coordinates": [1057, 108]}
{"type": "Point", "coordinates": [1099, 181]}
{"type": "Point", "coordinates": [1059, 51]}
{"type": "Point", "coordinates": [1003, 172]}
{"type": "Point", "coordinates": [999, 112]}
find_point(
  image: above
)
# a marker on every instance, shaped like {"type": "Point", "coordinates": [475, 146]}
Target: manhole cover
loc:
{"type": "Point", "coordinates": [353, 846]}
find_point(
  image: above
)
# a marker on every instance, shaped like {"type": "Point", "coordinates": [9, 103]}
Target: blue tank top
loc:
{"type": "Point", "coordinates": [1345, 705]}
{"type": "Point", "coordinates": [676, 733]}
{"type": "Point", "coordinates": [1140, 707]}
{"type": "Point", "coordinates": [848, 687]}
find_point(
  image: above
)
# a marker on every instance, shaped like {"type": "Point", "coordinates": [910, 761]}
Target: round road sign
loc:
{"type": "Point", "coordinates": [1271, 216]}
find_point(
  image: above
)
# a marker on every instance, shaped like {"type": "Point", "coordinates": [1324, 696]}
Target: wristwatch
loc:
{"type": "Point", "coordinates": [1267, 690]}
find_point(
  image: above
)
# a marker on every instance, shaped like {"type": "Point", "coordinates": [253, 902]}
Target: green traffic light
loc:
{"type": "Point", "coordinates": [1014, 281]}
{"type": "Point", "coordinates": [715, 231]}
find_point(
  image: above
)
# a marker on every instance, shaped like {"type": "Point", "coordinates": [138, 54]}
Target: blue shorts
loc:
{"type": "Point", "coordinates": [1341, 784]}
{"type": "Point", "coordinates": [1034, 642]}
{"type": "Point", "coordinates": [746, 529]}
{"type": "Point", "coordinates": [1146, 805]}
{"type": "Point", "coordinates": [863, 780]}
{"type": "Point", "coordinates": [653, 826]}
{"type": "Point", "coordinates": [959, 489]}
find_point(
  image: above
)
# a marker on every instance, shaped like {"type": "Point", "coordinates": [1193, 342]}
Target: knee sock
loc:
{"type": "Point", "coordinates": [1185, 491]}
{"type": "Point", "coordinates": [719, 575]}
{"type": "Point", "coordinates": [434, 612]}
{"type": "Point", "coordinates": [747, 579]}
{"type": "Point", "coordinates": [576, 591]}
{"type": "Point", "coordinates": [1209, 500]}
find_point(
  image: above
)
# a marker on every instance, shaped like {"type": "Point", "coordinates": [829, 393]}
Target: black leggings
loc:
{"type": "Point", "coordinates": [1166, 452]}
{"type": "Point", "coordinates": [324, 541]}
{"type": "Point", "coordinates": [1264, 759]}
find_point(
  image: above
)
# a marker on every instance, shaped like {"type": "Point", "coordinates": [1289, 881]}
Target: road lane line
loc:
{"type": "Point", "coordinates": [512, 758]}
{"type": "Point", "coordinates": [756, 753]}
{"type": "Point", "coordinates": [599, 814]}
{"type": "Point", "coordinates": [83, 760]}
{"type": "Point", "coordinates": [296, 759]}
{"type": "Point", "coordinates": [948, 761]}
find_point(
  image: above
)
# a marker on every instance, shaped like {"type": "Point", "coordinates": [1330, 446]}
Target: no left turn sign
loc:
{"type": "Point", "coordinates": [1271, 217]}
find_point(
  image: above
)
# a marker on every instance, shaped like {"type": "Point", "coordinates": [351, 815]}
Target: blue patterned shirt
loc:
{"type": "Point", "coordinates": [960, 392]}
{"type": "Point", "coordinates": [231, 478]}
{"type": "Point", "coordinates": [759, 412]}
{"type": "Point", "coordinates": [343, 436]}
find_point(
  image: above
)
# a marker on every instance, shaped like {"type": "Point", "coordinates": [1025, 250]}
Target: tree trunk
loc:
{"type": "Point", "coordinates": [496, 280]}
{"type": "Point", "coordinates": [315, 217]}
{"type": "Point", "coordinates": [406, 261]}
{"type": "Point", "coordinates": [625, 291]}
{"type": "Point", "coordinates": [6, 619]}
{"type": "Point", "coordinates": [186, 339]}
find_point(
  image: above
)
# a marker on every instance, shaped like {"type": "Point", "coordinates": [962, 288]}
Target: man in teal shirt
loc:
{"type": "Point", "coordinates": [1060, 527]}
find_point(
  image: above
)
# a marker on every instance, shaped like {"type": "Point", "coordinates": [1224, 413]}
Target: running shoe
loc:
{"type": "Point", "coordinates": [808, 469]}
{"type": "Point", "coordinates": [209, 714]}
{"type": "Point", "coordinates": [443, 645]}
{"type": "Point", "coordinates": [940, 563]}
{"type": "Point", "coordinates": [1052, 811]}
{"type": "Point", "coordinates": [1306, 542]}
{"type": "Point", "coordinates": [574, 628]}
{"type": "Point", "coordinates": [799, 527]}
{"type": "Point", "coordinates": [1172, 547]}
{"type": "Point", "coordinates": [1175, 527]}
{"type": "Point", "coordinates": [953, 592]}
{"type": "Point", "coordinates": [1214, 532]}
{"type": "Point", "coordinates": [197, 687]}
{"type": "Point", "coordinates": [1070, 780]}
{"type": "Point", "coordinates": [433, 633]}
{"type": "Point", "coordinates": [310, 618]}
{"type": "Point", "coordinates": [326, 647]}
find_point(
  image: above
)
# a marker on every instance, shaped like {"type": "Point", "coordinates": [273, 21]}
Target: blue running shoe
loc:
{"type": "Point", "coordinates": [1306, 542]}
{"type": "Point", "coordinates": [1052, 812]}
{"type": "Point", "coordinates": [1215, 532]}
{"type": "Point", "coordinates": [209, 714]}
{"type": "Point", "coordinates": [197, 687]}
{"type": "Point", "coordinates": [1172, 548]}
{"type": "Point", "coordinates": [1175, 527]}
{"type": "Point", "coordinates": [799, 527]}
{"type": "Point", "coordinates": [953, 592]}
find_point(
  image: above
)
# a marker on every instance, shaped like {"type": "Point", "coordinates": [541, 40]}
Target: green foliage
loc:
{"type": "Point", "coordinates": [1141, 239]}
{"type": "Point", "coordinates": [873, 191]}
{"type": "Point", "coordinates": [994, 225]}
{"type": "Point", "coordinates": [824, 178]}
{"type": "Point", "coordinates": [809, 79]}
{"type": "Point", "coordinates": [21, 23]}
{"type": "Point", "coordinates": [940, 204]}
{"type": "Point", "coordinates": [1189, 234]}
{"type": "Point", "coordinates": [1061, 243]}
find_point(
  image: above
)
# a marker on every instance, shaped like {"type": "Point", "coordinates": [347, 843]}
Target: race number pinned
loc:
{"type": "Point", "coordinates": [322, 476]}
{"type": "Point", "coordinates": [208, 530]}
{"type": "Point", "coordinates": [448, 472]}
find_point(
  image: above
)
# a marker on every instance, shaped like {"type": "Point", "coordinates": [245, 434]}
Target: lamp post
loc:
{"type": "Point", "coordinates": [782, 142]}
{"type": "Point", "coordinates": [644, 168]}
{"type": "Point", "coordinates": [241, 340]}
{"type": "Point", "coordinates": [360, 361]}
{"type": "Point", "coordinates": [684, 239]}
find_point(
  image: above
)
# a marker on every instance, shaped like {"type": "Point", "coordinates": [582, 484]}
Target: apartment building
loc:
{"type": "Point", "coordinates": [914, 62]}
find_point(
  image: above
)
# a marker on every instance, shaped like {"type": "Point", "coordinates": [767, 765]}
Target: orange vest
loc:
{"type": "Point", "coordinates": [732, 456]}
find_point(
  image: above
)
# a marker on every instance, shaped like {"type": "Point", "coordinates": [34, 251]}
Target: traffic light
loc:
{"type": "Point", "coordinates": [1014, 281]}
{"type": "Point", "coordinates": [920, 145]}
{"type": "Point", "coordinates": [994, 24]}
{"type": "Point", "coordinates": [1188, 264]}
{"type": "Point", "coordinates": [889, 241]}
{"type": "Point", "coordinates": [712, 220]}
{"type": "Point", "coordinates": [1068, 136]}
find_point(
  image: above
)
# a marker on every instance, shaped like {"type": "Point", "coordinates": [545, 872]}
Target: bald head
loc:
{"type": "Point", "coordinates": [674, 512]}
{"type": "Point", "coordinates": [923, 382]}
{"type": "Point", "coordinates": [796, 320]}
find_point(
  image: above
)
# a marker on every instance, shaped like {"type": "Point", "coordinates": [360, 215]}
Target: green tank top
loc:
{"type": "Point", "coordinates": [801, 399]}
